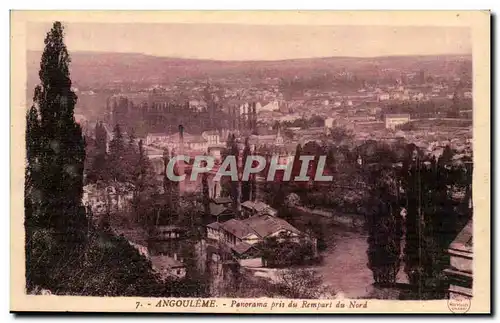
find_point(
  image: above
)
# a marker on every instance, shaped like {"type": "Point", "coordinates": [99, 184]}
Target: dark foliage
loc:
{"type": "Point", "coordinates": [55, 146]}
{"type": "Point", "coordinates": [284, 252]}
{"type": "Point", "coordinates": [246, 186]}
{"type": "Point", "coordinates": [434, 219]}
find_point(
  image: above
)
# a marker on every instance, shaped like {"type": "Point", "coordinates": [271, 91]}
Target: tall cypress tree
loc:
{"type": "Point", "coordinates": [30, 199]}
{"type": "Point", "coordinates": [253, 186]}
{"type": "Point", "coordinates": [384, 226]}
{"type": "Point", "coordinates": [206, 192]}
{"type": "Point", "coordinates": [101, 138]}
{"type": "Point", "coordinates": [130, 156]}
{"type": "Point", "coordinates": [167, 187]}
{"type": "Point", "coordinates": [145, 185]}
{"type": "Point", "coordinates": [296, 162]}
{"type": "Point", "coordinates": [226, 182]}
{"type": "Point", "coordinates": [55, 145]}
{"type": "Point", "coordinates": [116, 156]}
{"type": "Point", "coordinates": [31, 173]}
{"type": "Point", "coordinates": [98, 170]}
{"type": "Point", "coordinates": [246, 185]}
{"type": "Point", "coordinates": [235, 185]}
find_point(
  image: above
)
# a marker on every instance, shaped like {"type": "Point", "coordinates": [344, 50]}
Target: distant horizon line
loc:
{"type": "Point", "coordinates": [468, 55]}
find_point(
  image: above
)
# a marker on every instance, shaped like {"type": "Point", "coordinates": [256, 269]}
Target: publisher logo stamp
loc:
{"type": "Point", "coordinates": [459, 304]}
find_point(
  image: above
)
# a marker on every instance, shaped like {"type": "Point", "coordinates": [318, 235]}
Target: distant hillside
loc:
{"type": "Point", "coordinates": [95, 69]}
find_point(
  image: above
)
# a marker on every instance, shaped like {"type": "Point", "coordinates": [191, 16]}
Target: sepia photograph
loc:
{"type": "Point", "coordinates": [225, 164]}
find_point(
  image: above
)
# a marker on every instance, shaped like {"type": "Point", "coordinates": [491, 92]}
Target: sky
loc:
{"type": "Point", "coordinates": [256, 42]}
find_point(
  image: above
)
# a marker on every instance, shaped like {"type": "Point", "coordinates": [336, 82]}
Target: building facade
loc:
{"type": "Point", "coordinates": [394, 120]}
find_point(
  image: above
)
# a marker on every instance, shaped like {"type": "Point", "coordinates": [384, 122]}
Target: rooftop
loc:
{"type": "Point", "coordinates": [241, 247]}
{"type": "Point", "coordinates": [214, 225]}
{"type": "Point", "coordinates": [267, 225]}
{"type": "Point", "coordinates": [238, 228]}
{"type": "Point", "coordinates": [397, 115]}
{"type": "Point", "coordinates": [258, 206]}
{"type": "Point", "coordinates": [218, 209]}
{"type": "Point", "coordinates": [222, 200]}
{"type": "Point", "coordinates": [260, 225]}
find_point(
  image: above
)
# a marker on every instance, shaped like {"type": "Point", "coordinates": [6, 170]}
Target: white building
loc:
{"type": "Point", "coordinates": [212, 138]}
{"type": "Point", "coordinates": [329, 122]}
{"type": "Point", "coordinates": [394, 120]}
{"type": "Point", "coordinates": [384, 97]}
{"type": "Point", "coordinates": [271, 106]}
{"type": "Point", "coordinates": [243, 236]}
{"type": "Point", "coordinates": [152, 138]}
{"type": "Point", "coordinates": [172, 142]}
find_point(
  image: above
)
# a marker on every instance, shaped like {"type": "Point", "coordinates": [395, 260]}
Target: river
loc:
{"type": "Point", "coordinates": [344, 268]}
{"type": "Point", "coordinates": [344, 264]}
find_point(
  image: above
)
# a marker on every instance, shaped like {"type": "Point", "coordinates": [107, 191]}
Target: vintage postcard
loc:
{"type": "Point", "coordinates": [250, 162]}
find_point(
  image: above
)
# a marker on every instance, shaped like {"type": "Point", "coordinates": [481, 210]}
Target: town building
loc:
{"type": "Point", "coordinates": [173, 141]}
{"type": "Point", "coordinates": [154, 138]}
{"type": "Point", "coordinates": [270, 140]}
{"type": "Point", "coordinates": [329, 122]}
{"type": "Point", "coordinates": [270, 106]}
{"type": "Point", "coordinates": [303, 136]}
{"type": "Point", "coordinates": [384, 97]}
{"type": "Point", "coordinates": [242, 237]}
{"type": "Point", "coordinates": [212, 137]}
{"type": "Point", "coordinates": [394, 120]}
{"type": "Point", "coordinates": [221, 209]}
{"type": "Point", "coordinates": [252, 208]}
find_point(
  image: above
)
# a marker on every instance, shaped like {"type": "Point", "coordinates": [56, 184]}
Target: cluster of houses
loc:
{"type": "Point", "coordinates": [229, 238]}
{"type": "Point", "coordinates": [238, 239]}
